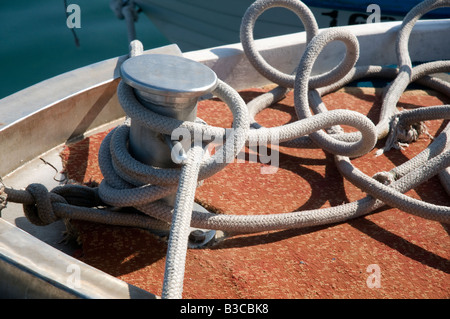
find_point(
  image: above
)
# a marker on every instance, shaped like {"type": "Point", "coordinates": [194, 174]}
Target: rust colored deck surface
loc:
{"type": "Point", "coordinates": [411, 253]}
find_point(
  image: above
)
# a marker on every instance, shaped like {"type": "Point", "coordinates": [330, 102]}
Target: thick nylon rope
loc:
{"type": "Point", "coordinates": [246, 35]}
{"type": "Point", "coordinates": [402, 80]}
{"type": "Point", "coordinates": [181, 223]}
{"type": "Point", "coordinates": [128, 182]}
{"type": "Point", "coordinates": [387, 194]}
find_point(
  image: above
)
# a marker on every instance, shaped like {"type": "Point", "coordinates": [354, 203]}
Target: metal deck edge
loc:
{"type": "Point", "coordinates": [30, 268]}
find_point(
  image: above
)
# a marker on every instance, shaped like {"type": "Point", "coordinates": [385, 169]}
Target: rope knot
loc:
{"type": "Point", "coordinates": [78, 195]}
{"type": "Point", "coordinates": [385, 178]}
{"type": "Point", "coordinates": [410, 133]}
{"type": "Point", "coordinates": [41, 212]}
{"type": "Point", "coordinates": [401, 135]}
{"type": "Point", "coordinates": [3, 198]}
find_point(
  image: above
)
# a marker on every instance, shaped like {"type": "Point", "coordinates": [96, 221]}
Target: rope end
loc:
{"type": "Point", "coordinates": [402, 135]}
{"type": "Point", "coordinates": [3, 198]}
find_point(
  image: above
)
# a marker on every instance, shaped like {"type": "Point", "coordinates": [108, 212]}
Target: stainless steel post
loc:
{"type": "Point", "coordinates": [171, 86]}
{"type": "Point", "coordinates": [168, 85]}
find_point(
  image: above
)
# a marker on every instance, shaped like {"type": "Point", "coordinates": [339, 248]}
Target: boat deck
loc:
{"type": "Point", "coordinates": [334, 261]}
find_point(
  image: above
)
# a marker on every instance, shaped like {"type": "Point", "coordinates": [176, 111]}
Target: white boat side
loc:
{"type": "Point", "coordinates": [56, 111]}
{"type": "Point", "coordinates": [85, 98]}
{"type": "Point", "coordinates": [196, 24]}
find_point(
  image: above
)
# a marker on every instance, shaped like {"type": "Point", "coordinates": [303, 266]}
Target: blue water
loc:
{"type": "Point", "coordinates": [36, 44]}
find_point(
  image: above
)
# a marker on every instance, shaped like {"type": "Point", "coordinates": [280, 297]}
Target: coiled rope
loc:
{"type": "Point", "coordinates": [127, 182]}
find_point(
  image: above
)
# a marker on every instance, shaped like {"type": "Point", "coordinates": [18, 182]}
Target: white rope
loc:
{"type": "Point", "coordinates": [127, 182]}
{"type": "Point", "coordinates": [181, 222]}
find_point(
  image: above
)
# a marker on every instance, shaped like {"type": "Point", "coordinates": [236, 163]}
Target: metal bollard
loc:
{"type": "Point", "coordinates": [168, 85]}
{"type": "Point", "coordinates": [171, 86]}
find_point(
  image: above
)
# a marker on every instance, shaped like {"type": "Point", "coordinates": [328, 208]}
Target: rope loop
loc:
{"type": "Point", "coordinates": [302, 89]}
{"type": "Point", "coordinates": [406, 71]}
{"type": "Point", "coordinates": [403, 36]}
{"type": "Point", "coordinates": [248, 44]}
{"type": "Point", "coordinates": [122, 171]}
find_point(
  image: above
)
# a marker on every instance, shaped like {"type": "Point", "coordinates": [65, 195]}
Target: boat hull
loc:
{"type": "Point", "coordinates": [67, 108]}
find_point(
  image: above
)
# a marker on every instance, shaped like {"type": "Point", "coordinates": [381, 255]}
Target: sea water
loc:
{"type": "Point", "coordinates": [36, 42]}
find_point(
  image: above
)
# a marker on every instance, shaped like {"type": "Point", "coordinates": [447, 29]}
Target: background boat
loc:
{"type": "Point", "coordinates": [197, 24]}
{"type": "Point", "coordinates": [37, 44]}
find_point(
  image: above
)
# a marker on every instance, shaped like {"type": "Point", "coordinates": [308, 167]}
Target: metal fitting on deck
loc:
{"type": "Point", "coordinates": [168, 85]}
{"type": "Point", "coordinates": [171, 86]}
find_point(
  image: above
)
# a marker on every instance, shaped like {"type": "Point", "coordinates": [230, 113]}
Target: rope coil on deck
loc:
{"type": "Point", "coordinates": [127, 182]}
